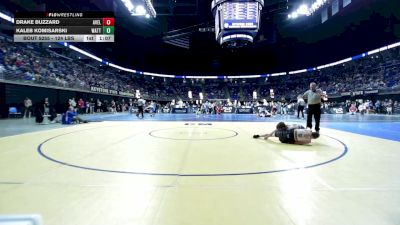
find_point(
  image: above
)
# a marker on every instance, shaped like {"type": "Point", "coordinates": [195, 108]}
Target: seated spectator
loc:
{"type": "Point", "coordinates": [72, 117]}
{"type": "Point", "coordinates": [352, 109]}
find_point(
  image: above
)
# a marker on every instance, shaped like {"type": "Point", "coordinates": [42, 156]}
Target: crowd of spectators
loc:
{"type": "Point", "coordinates": [384, 106]}
{"type": "Point", "coordinates": [129, 105]}
{"type": "Point", "coordinates": [40, 65]}
{"type": "Point", "coordinates": [30, 63]}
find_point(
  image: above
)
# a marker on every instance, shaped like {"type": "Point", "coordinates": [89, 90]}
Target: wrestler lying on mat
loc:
{"type": "Point", "coordinates": [291, 134]}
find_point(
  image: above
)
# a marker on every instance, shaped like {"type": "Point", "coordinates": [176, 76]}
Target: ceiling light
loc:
{"type": "Point", "coordinates": [302, 10]}
{"type": "Point", "coordinates": [140, 10]}
{"type": "Point", "coordinates": [128, 4]}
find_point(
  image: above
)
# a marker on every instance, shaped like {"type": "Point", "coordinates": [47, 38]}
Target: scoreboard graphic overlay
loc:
{"type": "Point", "coordinates": [64, 27]}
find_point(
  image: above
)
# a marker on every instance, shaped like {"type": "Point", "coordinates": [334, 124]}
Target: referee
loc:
{"type": "Point", "coordinates": [140, 103]}
{"type": "Point", "coordinates": [314, 97]}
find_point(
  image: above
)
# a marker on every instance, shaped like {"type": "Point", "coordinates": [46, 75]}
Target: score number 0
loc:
{"type": "Point", "coordinates": [108, 21]}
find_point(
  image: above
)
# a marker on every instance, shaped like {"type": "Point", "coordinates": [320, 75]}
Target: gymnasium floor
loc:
{"type": "Point", "coordinates": [206, 170]}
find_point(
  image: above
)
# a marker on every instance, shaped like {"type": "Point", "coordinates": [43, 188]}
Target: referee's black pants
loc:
{"type": "Point", "coordinates": [140, 111]}
{"type": "Point", "coordinates": [314, 109]}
